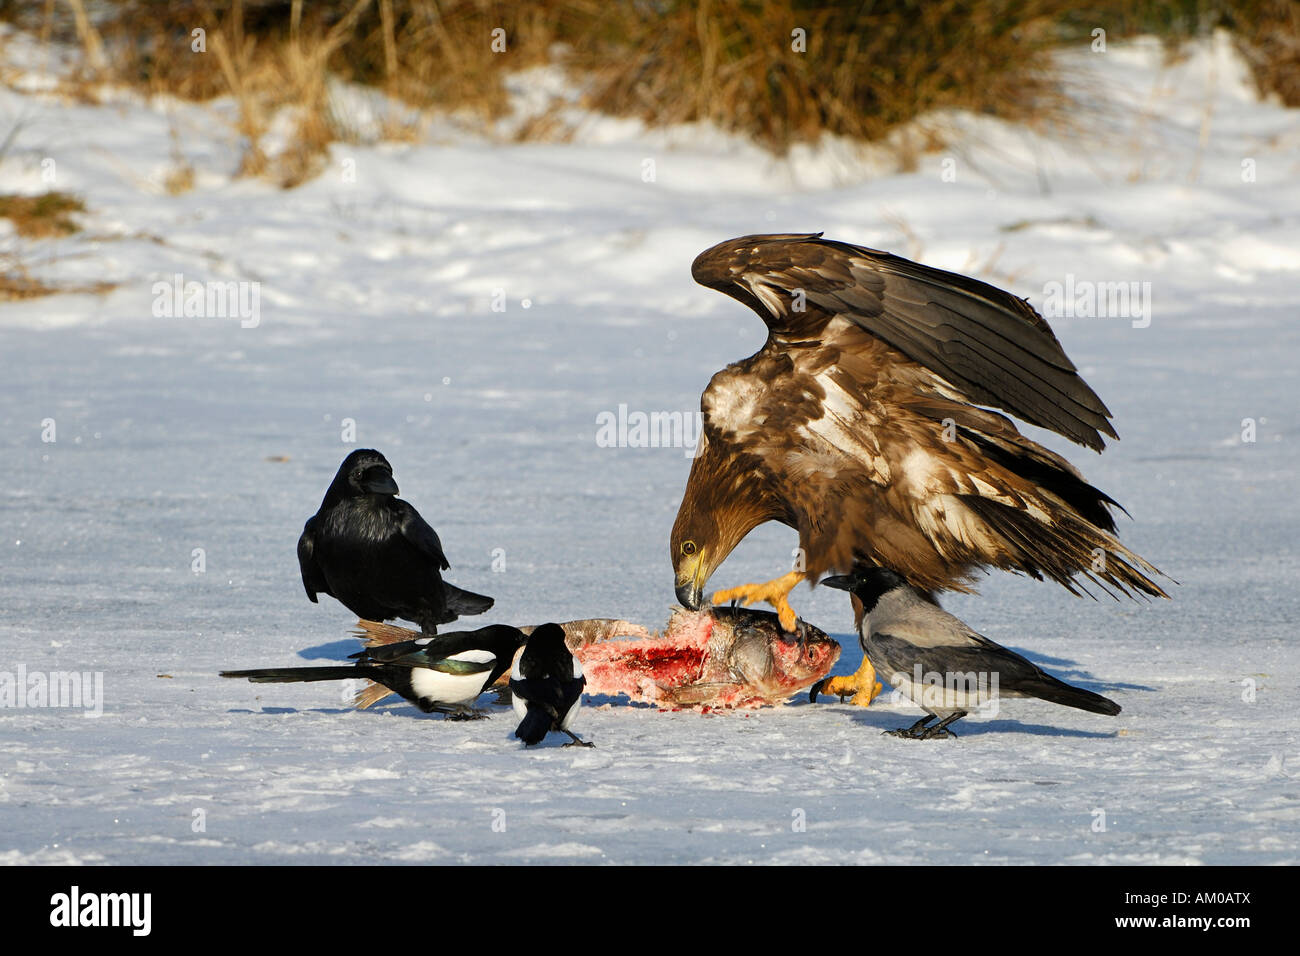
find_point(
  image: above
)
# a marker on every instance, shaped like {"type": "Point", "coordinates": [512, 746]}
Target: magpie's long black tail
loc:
{"type": "Point", "coordinates": [535, 725]}
{"type": "Point", "coordinates": [290, 675]}
{"type": "Point", "coordinates": [1047, 687]}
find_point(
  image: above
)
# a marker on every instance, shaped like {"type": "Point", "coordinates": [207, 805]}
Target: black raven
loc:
{"type": "Point", "coordinates": [374, 553]}
{"type": "Point", "coordinates": [441, 673]}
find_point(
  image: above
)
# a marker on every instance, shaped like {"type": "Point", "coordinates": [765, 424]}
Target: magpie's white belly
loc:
{"type": "Point", "coordinates": [571, 713]}
{"type": "Point", "coordinates": [443, 688]}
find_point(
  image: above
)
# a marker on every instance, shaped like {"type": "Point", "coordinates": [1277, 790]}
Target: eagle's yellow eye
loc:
{"type": "Point", "coordinates": [688, 547]}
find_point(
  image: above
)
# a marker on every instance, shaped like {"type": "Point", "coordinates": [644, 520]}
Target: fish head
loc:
{"type": "Point", "coordinates": [776, 663]}
{"type": "Point", "coordinates": [801, 659]}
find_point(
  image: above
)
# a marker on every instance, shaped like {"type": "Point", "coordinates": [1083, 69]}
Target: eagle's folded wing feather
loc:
{"type": "Point", "coordinates": [989, 345]}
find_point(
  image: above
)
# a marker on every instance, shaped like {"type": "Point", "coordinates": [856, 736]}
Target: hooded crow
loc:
{"type": "Point", "coordinates": [374, 553]}
{"type": "Point", "coordinates": [546, 687]}
{"type": "Point", "coordinates": [941, 664]}
{"type": "Point", "coordinates": [440, 673]}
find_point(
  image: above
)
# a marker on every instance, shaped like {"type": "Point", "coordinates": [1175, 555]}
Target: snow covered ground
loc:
{"type": "Point", "coordinates": [375, 287]}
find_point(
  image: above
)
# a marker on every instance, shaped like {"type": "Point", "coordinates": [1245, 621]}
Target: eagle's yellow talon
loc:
{"type": "Point", "coordinates": [774, 592]}
{"type": "Point", "coordinates": [862, 688]}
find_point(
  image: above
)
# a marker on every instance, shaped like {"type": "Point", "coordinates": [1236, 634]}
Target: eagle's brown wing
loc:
{"type": "Point", "coordinates": [990, 346]}
{"type": "Point", "coordinates": [875, 455]}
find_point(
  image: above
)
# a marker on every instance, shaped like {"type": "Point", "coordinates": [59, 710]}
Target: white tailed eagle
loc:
{"type": "Point", "coordinates": [864, 423]}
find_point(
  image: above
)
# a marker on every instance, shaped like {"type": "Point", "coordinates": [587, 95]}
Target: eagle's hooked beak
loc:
{"type": "Point", "coordinates": [689, 595]}
{"type": "Point", "coordinates": [691, 578]}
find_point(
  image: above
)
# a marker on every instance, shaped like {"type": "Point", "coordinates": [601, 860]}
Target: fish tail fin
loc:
{"type": "Point", "coordinates": [370, 695]}
{"type": "Point", "coordinates": [377, 633]}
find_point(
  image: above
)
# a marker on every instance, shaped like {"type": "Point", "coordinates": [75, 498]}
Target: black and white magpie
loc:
{"type": "Point", "coordinates": [546, 687]}
{"type": "Point", "coordinates": [939, 662]}
{"type": "Point", "coordinates": [374, 553]}
{"type": "Point", "coordinates": [440, 673]}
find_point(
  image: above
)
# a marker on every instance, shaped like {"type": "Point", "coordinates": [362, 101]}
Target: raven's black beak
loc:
{"type": "Point", "coordinates": [378, 480]}
{"type": "Point", "coordinates": [842, 582]}
{"type": "Point", "coordinates": [689, 596]}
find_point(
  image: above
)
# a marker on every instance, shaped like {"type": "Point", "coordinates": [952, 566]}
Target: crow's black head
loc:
{"type": "Point", "coordinates": [867, 584]}
{"type": "Point", "coordinates": [364, 472]}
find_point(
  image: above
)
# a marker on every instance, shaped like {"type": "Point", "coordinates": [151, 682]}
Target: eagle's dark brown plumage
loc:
{"type": "Point", "coordinates": [859, 425]}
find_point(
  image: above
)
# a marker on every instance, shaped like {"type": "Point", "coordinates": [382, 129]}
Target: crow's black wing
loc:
{"type": "Point", "coordinates": [418, 532]}
{"type": "Point", "coordinates": [313, 579]}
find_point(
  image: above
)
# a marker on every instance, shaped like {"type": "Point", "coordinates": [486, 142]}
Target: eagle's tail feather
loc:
{"type": "Point", "coordinates": [1067, 548]}
{"type": "Point", "coordinates": [1051, 473]}
{"type": "Point", "coordinates": [1000, 443]}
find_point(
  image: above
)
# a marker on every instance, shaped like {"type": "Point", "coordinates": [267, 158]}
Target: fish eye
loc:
{"type": "Point", "coordinates": [688, 547]}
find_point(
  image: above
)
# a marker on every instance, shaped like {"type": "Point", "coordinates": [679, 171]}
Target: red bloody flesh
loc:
{"type": "Point", "coordinates": [694, 662]}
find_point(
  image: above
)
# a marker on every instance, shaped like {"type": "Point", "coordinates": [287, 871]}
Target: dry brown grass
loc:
{"type": "Point", "coordinates": [42, 216]}
{"type": "Point", "coordinates": [866, 68]}
{"type": "Point", "coordinates": [1268, 35]}
{"type": "Point", "coordinates": [1267, 32]}
{"type": "Point", "coordinates": [16, 285]}
{"type": "Point", "coordinates": [17, 282]}
{"type": "Point", "coordinates": [862, 71]}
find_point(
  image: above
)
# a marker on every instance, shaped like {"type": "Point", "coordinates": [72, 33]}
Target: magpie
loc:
{"type": "Point", "coordinates": [938, 661]}
{"type": "Point", "coordinates": [441, 673]}
{"type": "Point", "coordinates": [374, 553]}
{"type": "Point", "coordinates": [546, 687]}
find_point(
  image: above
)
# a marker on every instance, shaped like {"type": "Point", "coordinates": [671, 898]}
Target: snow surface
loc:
{"type": "Point", "coordinates": [376, 306]}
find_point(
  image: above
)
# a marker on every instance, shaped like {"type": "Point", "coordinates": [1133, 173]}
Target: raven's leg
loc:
{"type": "Point", "coordinates": [775, 592]}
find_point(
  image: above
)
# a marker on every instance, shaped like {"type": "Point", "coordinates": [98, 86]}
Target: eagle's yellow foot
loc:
{"type": "Point", "coordinates": [861, 687]}
{"type": "Point", "coordinates": [775, 592]}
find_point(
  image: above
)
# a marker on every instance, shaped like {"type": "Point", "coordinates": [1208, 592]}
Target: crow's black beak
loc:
{"type": "Point", "coordinates": [689, 596]}
{"type": "Point", "coordinates": [378, 480]}
{"type": "Point", "coordinates": [842, 582]}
